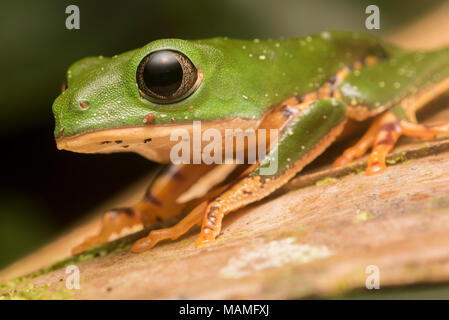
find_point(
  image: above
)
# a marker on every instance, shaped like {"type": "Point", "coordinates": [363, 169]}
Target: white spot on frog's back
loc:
{"type": "Point", "coordinates": [335, 103]}
{"type": "Point", "coordinates": [408, 71]}
{"type": "Point", "coordinates": [325, 35]}
{"type": "Point", "coordinates": [351, 91]}
{"type": "Point", "coordinates": [273, 254]}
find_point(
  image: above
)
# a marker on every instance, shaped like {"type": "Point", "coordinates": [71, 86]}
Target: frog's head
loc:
{"type": "Point", "coordinates": [134, 101]}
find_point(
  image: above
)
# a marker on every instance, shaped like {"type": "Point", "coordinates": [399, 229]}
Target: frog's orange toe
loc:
{"type": "Point", "coordinates": [79, 249]}
{"type": "Point", "coordinates": [376, 160]}
{"type": "Point", "coordinates": [143, 244]}
{"type": "Point", "coordinates": [375, 168]}
{"type": "Point", "coordinates": [345, 158]}
{"type": "Point", "coordinates": [203, 242]}
{"type": "Point", "coordinates": [360, 148]}
{"type": "Point", "coordinates": [87, 244]}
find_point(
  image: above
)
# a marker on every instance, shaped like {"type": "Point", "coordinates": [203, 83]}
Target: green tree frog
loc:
{"type": "Point", "coordinates": [305, 88]}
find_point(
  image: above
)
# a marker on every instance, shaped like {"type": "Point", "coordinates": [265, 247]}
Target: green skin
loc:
{"type": "Point", "coordinates": [245, 79]}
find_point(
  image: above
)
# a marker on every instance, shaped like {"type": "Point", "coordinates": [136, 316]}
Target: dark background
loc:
{"type": "Point", "coordinates": [43, 191]}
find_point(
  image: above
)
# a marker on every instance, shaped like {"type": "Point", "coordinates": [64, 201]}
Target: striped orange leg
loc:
{"type": "Point", "coordinates": [173, 233]}
{"type": "Point", "coordinates": [179, 229]}
{"type": "Point", "coordinates": [361, 147]}
{"type": "Point", "coordinates": [382, 137]}
{"type": "Point", "coordinates": [419, 131]}
{"type": "Point", "coordinates": [158, 204]}
{"type": "Point", "coordinates": [388, 134]}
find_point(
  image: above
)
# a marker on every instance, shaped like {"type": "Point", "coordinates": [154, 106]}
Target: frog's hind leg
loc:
{"type": "Point", "coordinates": [158, 204]}
{"type": "Point", "coordinates": [361, 147]}
{"type": "Point", "coordinates": [389, 126]}
{"type": "Point", "coordinates": [382, 137]}
{"type": "Point", "coordinates": [389, 132]}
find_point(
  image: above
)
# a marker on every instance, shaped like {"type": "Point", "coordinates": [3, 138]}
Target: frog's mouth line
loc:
{"type": "Point", "coordinates": [152, 142]}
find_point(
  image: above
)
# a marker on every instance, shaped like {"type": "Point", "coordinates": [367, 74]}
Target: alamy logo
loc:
{"type": "Point", "coordinates": [73, 20]}
{"type": "Point", "coordinates": [373, 280]}
{"type": "Point", "coordinates": [239, 146]}
{"type": "Point", "coordinates": [73, 279]}
{"type": "Point", "coordinates": [373, 20]}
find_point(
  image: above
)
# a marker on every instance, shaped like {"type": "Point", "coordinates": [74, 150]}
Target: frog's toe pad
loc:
{"type": "Point", "coordinates": [154, 237]}
{"type": "Point", "coordinates": [88, 243]}
{"type": "Point", "coordinates": [144, 244]}
{"type": "Point", "coordinates": [203, 242]}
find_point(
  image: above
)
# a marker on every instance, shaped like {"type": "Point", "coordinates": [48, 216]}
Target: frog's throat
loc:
{"type": "Point", "coordinates": [152, 142]}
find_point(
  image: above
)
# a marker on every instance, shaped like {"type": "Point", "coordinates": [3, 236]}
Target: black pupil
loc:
{"type": "Point", "coordinates": [163, 73]}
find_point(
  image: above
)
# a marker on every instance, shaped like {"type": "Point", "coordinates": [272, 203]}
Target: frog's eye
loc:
{"type": "Point", "coordinates": [166, 76]}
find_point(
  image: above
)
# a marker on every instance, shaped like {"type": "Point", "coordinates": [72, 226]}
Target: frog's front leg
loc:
{"type": "Point", "coordinates": [305, 131]}
{"type": "Point", "coordinates": [158, 204]}
{"type": "Point", "coordinates": [303, 138]}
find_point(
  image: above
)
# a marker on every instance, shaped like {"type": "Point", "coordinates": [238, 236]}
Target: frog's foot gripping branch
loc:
{"type": "Point", "coordinates": [382, 136]}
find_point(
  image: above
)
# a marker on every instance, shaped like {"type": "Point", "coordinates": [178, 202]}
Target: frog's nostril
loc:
{"type": "Point", "coordinates": [84, 105]}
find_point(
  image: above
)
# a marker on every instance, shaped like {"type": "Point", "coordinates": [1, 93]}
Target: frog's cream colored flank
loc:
{"type": "Point", "coordinates": [273, 254]}
{"type": "Point", "coordinates": [158, 149]}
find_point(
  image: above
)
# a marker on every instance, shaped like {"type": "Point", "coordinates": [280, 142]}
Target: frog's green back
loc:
{"type": "Point", "coordinates": [242, 79]}
{"type": "Point", "coordinates": [386, 83]}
